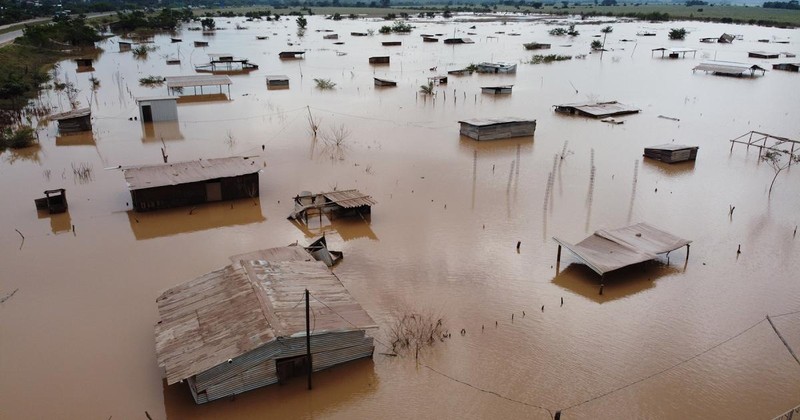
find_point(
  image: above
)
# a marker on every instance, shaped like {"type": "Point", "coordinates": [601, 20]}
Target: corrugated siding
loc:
{"type": "Point", "coordinates": [257, 368]}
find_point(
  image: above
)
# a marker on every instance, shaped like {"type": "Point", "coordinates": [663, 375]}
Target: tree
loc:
{"type": "Point", "coordinates": [301, 22]}
{"type": "Point", "coordinates": [597, 45]}
{"type": "Point", "coordinates": [677, 33]}
{"type": "Point", "coordinates": [607, 30]}
{"type": "Point", "coordinates": [778, 160]}
{"type": "Point", "coordinates": [208, 24]}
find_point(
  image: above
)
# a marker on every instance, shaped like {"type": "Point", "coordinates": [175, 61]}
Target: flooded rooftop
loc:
{"type": "Point", "coordinates": [462, 228]}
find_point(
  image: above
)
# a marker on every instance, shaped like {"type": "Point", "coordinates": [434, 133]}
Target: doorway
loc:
{"type": "Point", "coordinates": [147, 113]}
{"type": "Point", "coordinates": [291, 367]}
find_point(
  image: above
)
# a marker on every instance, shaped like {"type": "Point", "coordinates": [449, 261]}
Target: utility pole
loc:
{"type": "Point", "coordinates": [308, 340]}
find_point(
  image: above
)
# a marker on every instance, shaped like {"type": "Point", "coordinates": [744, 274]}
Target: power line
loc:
{"type": "Point", "coordinates": [490, 391]}
{"type": "Point", "coordinates": [665, 369]}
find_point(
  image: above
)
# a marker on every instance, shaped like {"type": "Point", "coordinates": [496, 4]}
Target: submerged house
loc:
{"type": "Point", "coordinates": [158, 108]}
{"type": "Point", "coordinates": [379, 60]}
{"type": "Point", "coordinates": [497, 68]}
{"type": "Point", "coordinates": [458, 41]}
{"type": "Point", "coordinates": [609, 250]}
{"type": "Point", "coordinates": [497, 90]}
{"type": "Point", "coordinates": [291, 54]}
{"type": "Point", "coordinates": [384, 82]}
{"type": "Point", "coordinates": [597, 109]}
{"type": "Point", "coordinates": [74, 121]}
{"type": "Point", "coordinates": [333, 204]}
{"type": "Point", "coordinates": [277, 81]}
{"type": "Point", "coordinates": [241, 327]}
{"type": "Point", "coordinates": [84, 64]}
{"type": "Point", "coordinates": [726, 39]}
{"type": "Point", "coordinates": [168, 185]}
{"type": "Point", "coordinates": [671, 153]}
{"type": "Point", "coordinates": [763, 54]}
{"type": "Point", "coordinates": [795, 67]}
{"type": "Point", "coordinates": [729, 68]}
{"type": "Point", "coordinates": [497, 128]}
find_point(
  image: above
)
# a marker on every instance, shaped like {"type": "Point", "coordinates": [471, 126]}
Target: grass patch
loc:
{"type": "Point", "coordinates": [152, 81]}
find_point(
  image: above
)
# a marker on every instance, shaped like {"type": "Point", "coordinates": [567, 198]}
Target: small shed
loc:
{"type": "Point", "coordinates": [726, 39]}
{"type": "Point", "coordinates": [497, 128]}
{"type": "Point", "coordinates": [384, 59]}
{"type": "Point", "coordinates": [763, 54]}
{"type": "Point", "coordinates": [497, 90]}
{"type": "Point", "coordinates": [610, 250]}
{"type": "Point", "coordinates": [284, 55]}
{"type": "Point", "coordinates": [84, 64]}
{"type": "Point", "coordinates": [158, 108]}
{"type": "Point", "coordinates": [429, 39]}
{"type": "Point", "coordinates": [168, 185]}
{"type": "Point", "coordinates": [277, 81]}
{"type": "Point", "coordinates": [240, 328]}
{"type": "Point", "coordinates": [795, 67]}
{"type": "Point", "coordinates": [124, 46]}
{"type": "Point", "coordinates": [74, 121]}
{"type": "Point", "coordinates": [671, 153]}
{"type": "Point", "coordinates": [597, 109]}
{"type": "Point", "coordinates": [729, 68]}
{"type": "Point", "coordinates": [54, 201]}
{"type": "Point", "coordinates": [391, 43]}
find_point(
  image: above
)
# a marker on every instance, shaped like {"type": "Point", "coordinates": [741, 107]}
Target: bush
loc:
{"type": "Point", "coordinates": [24, 136]}
{"type": "Point", "coordinates": [324, 84]}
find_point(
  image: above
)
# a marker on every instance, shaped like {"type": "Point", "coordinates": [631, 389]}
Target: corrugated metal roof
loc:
{"type": "Point", "coordinates": [671, 146]}
{"type": "Point", "coordinates": [156, 98]}
{"type": "Point", "coordinates": [727, 67]}
{"type": "Point", "coordinates": [349, 198]}
{"type": "Point", "coordinates": [75, 113]}
{"type": "Point", "coordinates": [229, 312]}
{"type": "Point", "coordinates": [150, 176]}
{"type": "Point", "coordinates": [601, 109]}
{"type": "Point", "coordinates": [277, 78]}
{"type": "Point", "coordinates": [199, 80]}
{"type": "Point", "coordinates": [484, 122]}
{"type": "Point", "coordinates": [609, 250]}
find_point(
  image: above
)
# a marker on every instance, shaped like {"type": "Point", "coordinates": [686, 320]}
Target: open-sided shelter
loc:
{"type": "Point", "coordinates": [609, 250]}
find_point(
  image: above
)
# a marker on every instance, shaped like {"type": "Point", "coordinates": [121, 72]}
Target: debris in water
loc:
{"type": "Point", "coordinates": [8, 296]}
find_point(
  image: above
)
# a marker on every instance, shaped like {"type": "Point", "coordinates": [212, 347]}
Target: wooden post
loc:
{"type": "Point", "coordinates": [687, 252]}
{"type": "Point", "coordinates": [558, 255]}
{"type": "Point", "coordinates": [308, 341]}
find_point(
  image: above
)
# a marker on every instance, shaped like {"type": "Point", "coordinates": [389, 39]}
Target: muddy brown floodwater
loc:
{"type": "Point", "coordinates": [665, 340]}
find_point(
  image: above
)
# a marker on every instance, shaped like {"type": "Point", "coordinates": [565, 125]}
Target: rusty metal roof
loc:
{"type": "Point", "coordinates": [609, 250]}
{"type": "Point", "coordinates": [349, 198]}
{"type": "Point", "coordinates": [229, 312]}
{"type": "Point", "coordinates": [199, 80]}
{"type": "Point", "coordinates": [75, 113]}
{"type": "Point", "coordinates": [150, 176]}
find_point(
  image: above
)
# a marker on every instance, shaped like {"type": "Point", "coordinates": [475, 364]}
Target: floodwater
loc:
{"type": "Point", "coordinates": [670, 339]}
